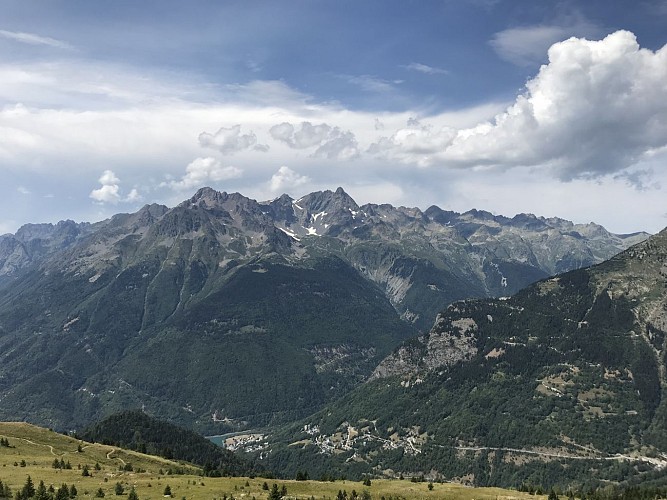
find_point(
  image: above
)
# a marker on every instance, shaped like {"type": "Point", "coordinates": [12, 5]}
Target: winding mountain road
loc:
{"type": "Point", "coordinates": [659, 463]}
{"type": "Point", "coordinates": [109, 457]}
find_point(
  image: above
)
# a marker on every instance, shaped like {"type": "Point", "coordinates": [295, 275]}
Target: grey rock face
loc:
{"type": "Point", "coordinates": [445, 345]}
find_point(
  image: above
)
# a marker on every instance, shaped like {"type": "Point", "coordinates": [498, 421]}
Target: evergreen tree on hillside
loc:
{"type": "Point", "coordinates": [41, 493]}
{"type": "Point", "coordinates": [28, 490]}
{"type": "Point", "coordinates": [62, 493]}
{"type": "Point", "coordinates": [275, 493]}
{"type": "Point", "coordinates": [5, 492]}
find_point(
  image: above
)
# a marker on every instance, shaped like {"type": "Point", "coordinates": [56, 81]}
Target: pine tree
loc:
{"type": "Point", "coordinates": [118, 490]}
{"type": "Point", "coordinates": [72, 491]}
{"type": "Point", "coordinates": [28, 489]}
{"type": "Point", "coordinates": [5, 491]}
{"type": "Point", "coordinates": [41, 493]}
{"type": "Point", "coordinates": [99, 493]}
{"type": "Point", "coordinates": [62, 493]}
{"type": "Point", "coordinates": [274, 494]}
{"type": "Point", "coordinates": [133, 495]}
{"type": "Point", "coordinates": [167, 491]}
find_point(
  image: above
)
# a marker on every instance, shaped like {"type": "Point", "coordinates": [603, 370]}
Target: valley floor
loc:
{"type": "Point", "coordinates": [33, 452]}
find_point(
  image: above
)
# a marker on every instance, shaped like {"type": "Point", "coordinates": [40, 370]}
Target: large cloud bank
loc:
{"type": "Point", "coordinates": [71, 129]}
{"type": "Point", "coordinates": [596, 108]}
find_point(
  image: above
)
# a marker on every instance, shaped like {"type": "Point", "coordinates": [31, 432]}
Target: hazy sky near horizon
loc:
{"type": "Point", "coordinates": [557, 108]}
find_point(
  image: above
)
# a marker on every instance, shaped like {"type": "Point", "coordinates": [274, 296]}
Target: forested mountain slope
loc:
{"type": "Point", "coordinates": [566, 377]}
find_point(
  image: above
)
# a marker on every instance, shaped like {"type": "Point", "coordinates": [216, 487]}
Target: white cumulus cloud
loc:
{"type": "Point", "coordinates": [230, 140]}
{"type": "Point", "coordinates": [332, 142]}
{"type": "Point", "coordinates": [203, 171]}
{"type": "Point", "coordinates": [416, 143]}
{"type": "Point", "coordinates": [596, 108]}
{"type": "Point", "coordinates": [133, 196]}
{"type": "Point", "coordinates": [285, 179]}
{"type": "Point", "coordinates": [109, 191]}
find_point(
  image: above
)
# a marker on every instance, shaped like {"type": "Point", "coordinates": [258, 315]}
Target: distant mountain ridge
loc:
{"type": "Point", "coordinates": [422, 260]}
{"type": "Point", "coordinates": [191, 311]}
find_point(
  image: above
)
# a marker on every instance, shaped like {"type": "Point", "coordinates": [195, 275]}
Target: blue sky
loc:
{"type": "Point", "coordinates": [557, 108]}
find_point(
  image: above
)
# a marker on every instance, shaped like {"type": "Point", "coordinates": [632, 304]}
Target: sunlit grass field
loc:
{"type": "Point", "coordinates": [33, 449]}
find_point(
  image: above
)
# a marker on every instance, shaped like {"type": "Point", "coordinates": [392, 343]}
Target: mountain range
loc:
{"type": "Point", "coordinates": [224, 313]}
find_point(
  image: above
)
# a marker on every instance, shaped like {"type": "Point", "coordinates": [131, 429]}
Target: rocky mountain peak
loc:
{"type": "Point", "coordinates": [235, 205]}
{"type": "Point", "coordinates": [154, 210]}
{"type": "Point", "coordinates": [281, 209]}
{"type": "Point", "coordinates": [439, 215]}
{"type": "Point", "coordinates": [328, 201]}
{"type": "Point", "coordinates": [283, 199]}
{"type": "Point", "coordinates": [528, 221]}
{"type": "Point", "coordinates": [31, 231]}
{"type": "Point", "coordinates": [593, 230]}
{"type": "Point", "coordinates": [208, 197]}
{"type": "Point", "coordinates": [479, 215]}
